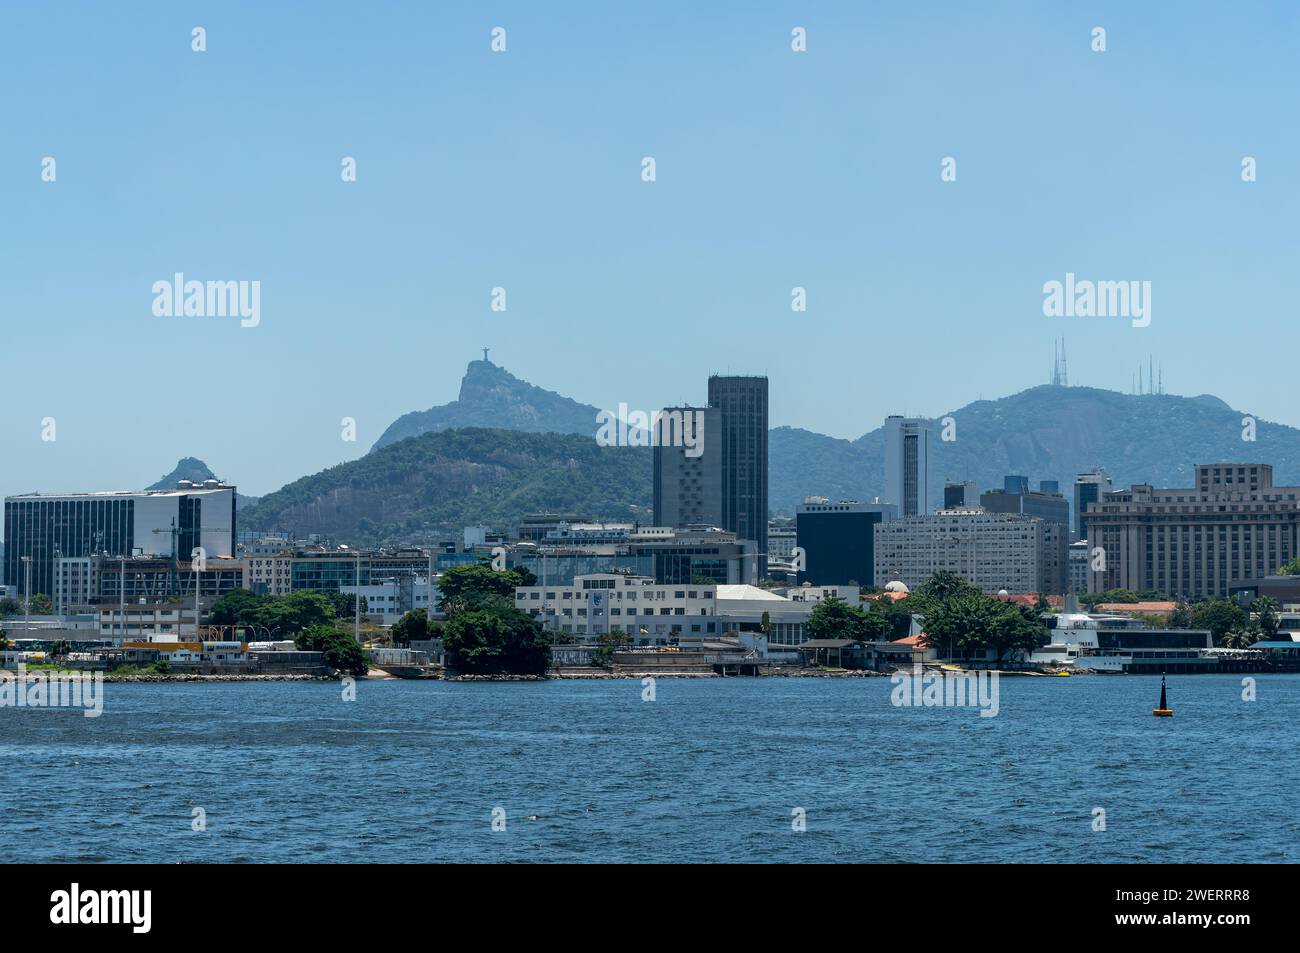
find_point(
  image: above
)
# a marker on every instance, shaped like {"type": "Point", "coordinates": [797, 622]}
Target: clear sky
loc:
{"type": "Point", "coordinates": [522, 170]}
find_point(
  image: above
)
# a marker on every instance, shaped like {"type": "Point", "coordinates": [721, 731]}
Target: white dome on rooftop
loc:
{"type": "Point", "coordinates": [896, 586]}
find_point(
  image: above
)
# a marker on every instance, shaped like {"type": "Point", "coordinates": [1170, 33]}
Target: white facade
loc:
{"type": "Point", "coordinates": [907, 464]}
{"type": "Point", "coordinates": [992, 551]}
{"type": "Point", "coordinates": [153, 623]}
{"type": "Point", "coordinates": [649, 613]}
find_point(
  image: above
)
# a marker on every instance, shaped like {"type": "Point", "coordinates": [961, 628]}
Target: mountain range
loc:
{"type": "Point", "coordinates": [506, 447]}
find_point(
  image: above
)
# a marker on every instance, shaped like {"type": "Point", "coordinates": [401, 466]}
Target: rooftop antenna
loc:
{"type": "Point", "coordinates": [1065, 367]}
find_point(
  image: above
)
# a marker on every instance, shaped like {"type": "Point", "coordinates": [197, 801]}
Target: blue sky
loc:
{"type": "Point", "coordinates": [522, 170]}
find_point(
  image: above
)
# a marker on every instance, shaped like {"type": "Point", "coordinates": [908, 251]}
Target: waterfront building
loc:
{"type": "Point", "coordinates": [907, 464]}
{"type": "Point", "coordinates": [838, 540]}
{"type": "Point", "coordinates": [1233, 525]}
{"type": "Point", "coordinates": [992, 551]}
{"type": "Point", "coordinates": [88, 581]}
{"type": "Point", "coordinates": [328, 569]}
{"type": "Point", "coordinates": [649, 613]}
{"type": "Point", "coordinates": [43, 527]}
{"type": "Point", "coordinates": [148, 623]}
{"type": "Point", "coordinates": [742, 422]}
{"type": "Point", "coordinates": [1089, 488]}
{"type": "Point", "coordinates": [688, 479]}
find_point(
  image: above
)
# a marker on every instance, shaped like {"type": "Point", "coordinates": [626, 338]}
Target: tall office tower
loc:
{"type": "Point", "coordinates": [958, 496]}
{"type": "Point", "coordinates": [907, 464]}
{"type": "Point", "coordinates": [742, 403]}
{"type": "Point", "coordinates": [688, 472]}
{"type": "Point", "coordinates": [44, 527]}
{"type": "Point", "coordinates": [1089, 487]}
{"type": "Point", "coordinates": [838, 540]}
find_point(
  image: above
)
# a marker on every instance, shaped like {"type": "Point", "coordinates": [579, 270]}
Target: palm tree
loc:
{"type": "Point", "coordinates": [1239, 638]}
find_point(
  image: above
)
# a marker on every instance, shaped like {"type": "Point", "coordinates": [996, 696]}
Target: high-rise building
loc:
{"type": "Point", "coordinates": [1049, 486]}
{"type": "Point", "coordinates": [964, 495]}
{"type": "Point", "coordinates": [688, 478]}
{"type": "Point", "coordinates": [907, 464]}
{"type": "Point", "coordinates": [1052, 507]}
{"type": "Point", "coordinates": [742, 406]}
{"type": "Point", "coordinates": [1014, 483]}
{"type": "Point", "coordinates": [48, 526]}
{"type": "Point", "coordinates": [1233, 525]}
{"type": "Point", "coordinates": [1089, 488]}
{"type": "Point", "coordinates": [838, 540]}
{"type": "Point", "coordinates": [993, 551]}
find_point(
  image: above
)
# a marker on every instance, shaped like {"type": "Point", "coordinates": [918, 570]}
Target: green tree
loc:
{"type": "Point", "coordinates": [836, 619]}
{"type": "Point", "coordinates": [41, 604]}
{"type": "Point", "coordinates": [1221, 616]}
{"type": "Point", "coordinates": [1267, 618]}
{"type": "Point", "coordinates": [415, 626]}
{"type": "Point", "coordinates": [495, 642]}
{"type": "Point", "coordinates": [340, 650]}
{"type": "Point", "coordinates": [979, 623]}
{"type": "Point", "coordinates": [10, 607]}
{"type": "Point", "coordinates": [606, 645]}
{"type": "Point", "coordinates": [1181, 617]}
{"type": "Point", "coordinates": [1290, 569]}
{"type": "Point", "coordinates": [479, 587]}
{"type": "Point", "coordinates": [237, 607]}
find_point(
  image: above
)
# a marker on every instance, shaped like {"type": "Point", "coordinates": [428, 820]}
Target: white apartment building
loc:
{"type": "Point", "coordinates": [653, 614]}
{"type": "Point", "coordinates": [151, 623]}
{"type": "Point", "coordinates": [992, 551]}
{"type": "Point", "coordinates": [387, 600]}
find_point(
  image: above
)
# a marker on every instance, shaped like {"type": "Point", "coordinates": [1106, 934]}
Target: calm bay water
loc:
{"type": "Point", "coordinates": [710, 771]}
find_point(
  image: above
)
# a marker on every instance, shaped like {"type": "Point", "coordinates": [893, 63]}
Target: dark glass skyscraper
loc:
{"type": "Point", "coordinates": [743, 424]}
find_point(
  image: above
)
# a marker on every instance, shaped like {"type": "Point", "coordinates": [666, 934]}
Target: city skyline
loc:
{"type": "Point", "coordinates": [470, 179]}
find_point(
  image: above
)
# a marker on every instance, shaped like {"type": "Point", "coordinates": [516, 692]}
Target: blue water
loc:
{"type": "Point", "coordinates": [709, 771]}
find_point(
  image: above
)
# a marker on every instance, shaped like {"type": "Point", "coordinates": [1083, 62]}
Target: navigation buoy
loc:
{"type": "Point", "coordinates": [1164, 711]}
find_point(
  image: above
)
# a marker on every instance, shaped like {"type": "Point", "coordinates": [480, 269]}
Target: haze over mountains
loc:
{"type": "Point", "coordinates": [528, 449]}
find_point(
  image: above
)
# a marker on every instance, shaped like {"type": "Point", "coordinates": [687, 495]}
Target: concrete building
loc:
{"type": "Point", "coordinates": [1233, 525]}
{"type": "Point", "coordinates": [328, 569]}
{"type": "Point", "coordinates": [148, 623]}
{"type": "Point", "coordinates": [387, 600]}
{"type": "Point", "coordinates": [1077, 562]}
{"type": "Point", "coordinates": [907, 464]}
{"type": "Point", "coordinates": [44, 527]}
{"type": "Point", "coordinates": [648, 613]}
{"type": "Point", "coordinates": [1089, 488]}
{"type": "Point", "coordinates": [86, 582]}
{"type": "Point", "coordinates": [960, 496]}
{"type": "Point", "coordinates": [1016, 497]}
{"type": "Point", "coordinates": [838, 540]}
{"type": "Point", "coordinates": [688, 475]}
{"type": "Point", "coordinates": [993, 551]}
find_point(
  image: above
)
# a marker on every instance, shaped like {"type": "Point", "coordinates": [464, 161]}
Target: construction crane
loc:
{"type": "Point", "coordinates": [175, 532]}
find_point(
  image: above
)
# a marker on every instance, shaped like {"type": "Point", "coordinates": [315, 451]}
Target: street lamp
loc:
{"type": "Point", "coordinates": [27, 597]}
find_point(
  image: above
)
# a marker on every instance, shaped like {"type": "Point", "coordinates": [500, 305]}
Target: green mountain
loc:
{"type": "Point", "coordinates": [443, 481]}
{"type": "Point", "coordinates": [490, 396]}
{"type": "Point", "coordinates": [448, 471]}
{"type": "Point", "coordinates": [1044, 433]}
